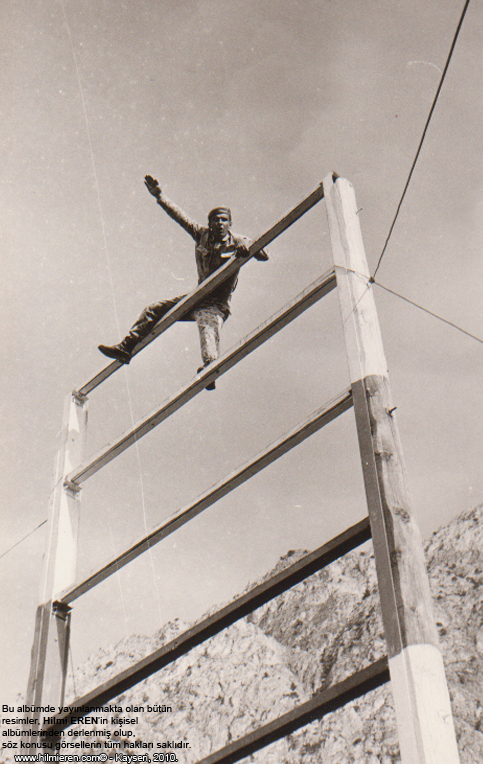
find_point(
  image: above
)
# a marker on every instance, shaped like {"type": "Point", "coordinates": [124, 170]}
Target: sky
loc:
{"type": "Point", "coordinates": [247, 104]}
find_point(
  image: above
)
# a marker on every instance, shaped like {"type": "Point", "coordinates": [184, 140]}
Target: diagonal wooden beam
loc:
{"type": "Point", "coordinates": [213, 624]}
{"type": "Point", "coordinates": [274, 451]}
{"type": "Point", "coordinates": [320, 287]}
{"type": "Point", "coordinates": [318, 706]}
{"type": "Point", "coordinates": [210, 284]}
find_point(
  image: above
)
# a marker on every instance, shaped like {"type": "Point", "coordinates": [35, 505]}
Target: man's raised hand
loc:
{"type": "Point", "coordinates": [152, 186]}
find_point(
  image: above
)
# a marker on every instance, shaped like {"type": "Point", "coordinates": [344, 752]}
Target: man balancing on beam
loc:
{"type": "Point", "coordinates": [214, 246]}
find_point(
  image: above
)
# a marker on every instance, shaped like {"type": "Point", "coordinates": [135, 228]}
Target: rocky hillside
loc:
{"type": "Point", "coordinates": [308, 638]}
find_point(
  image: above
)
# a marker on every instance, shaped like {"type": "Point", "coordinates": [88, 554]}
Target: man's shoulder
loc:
{"type": "Point", "coordinates": [202, 238]}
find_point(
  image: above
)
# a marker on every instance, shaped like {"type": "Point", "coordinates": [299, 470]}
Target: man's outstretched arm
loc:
{"type": "Point", "coordinates": [175, 212]}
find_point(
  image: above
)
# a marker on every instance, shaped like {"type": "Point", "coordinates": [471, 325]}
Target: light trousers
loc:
{"type": "Point", "coordinates": [209, 320]}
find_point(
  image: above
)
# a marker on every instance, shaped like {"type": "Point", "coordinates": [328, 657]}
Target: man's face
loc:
{"type": "Point", "coordinates": [219, 225]}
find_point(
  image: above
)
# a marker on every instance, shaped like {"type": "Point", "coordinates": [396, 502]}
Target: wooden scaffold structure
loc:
{"type": "Point", "coordinates": [413, 664]}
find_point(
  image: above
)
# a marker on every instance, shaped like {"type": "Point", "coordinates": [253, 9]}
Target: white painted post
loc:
{"type": "Point", "coordinates": [423, 711]}
{"type": "Point", "coordinates": [48, 668]}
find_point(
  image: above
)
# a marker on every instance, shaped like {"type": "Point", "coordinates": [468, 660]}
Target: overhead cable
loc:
{"type": "Point", "coordinates": [435, 315]}
{"type": "Point", "coordinates": [450, 54]}
{"type": "Point", "coordinates": [22, 539]}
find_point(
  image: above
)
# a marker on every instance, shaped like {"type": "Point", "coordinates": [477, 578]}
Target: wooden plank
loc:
{"type": "Point", "coordinates": [211, 283]}
{"type": "Point", "coordinates": [213, 624]}
{"type": "Point", "coordinates": [421, 698]}
{"type": "Point", "coordinates": [38, 654]}
{"type": "Point", "coordinates": [274, 451]}
{"type": "Point", "coordinates": [318, 289]}
{"type": "Point", "coordinates": [318, 706]}
{"type": "Point", "coordinates": [64, 506]}
{"type": "Point", "coordinates": [288, 219]}
{"type": "Point", "coordinates": [49, 651]}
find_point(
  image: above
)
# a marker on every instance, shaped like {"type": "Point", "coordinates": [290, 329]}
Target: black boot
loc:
{"type": "Point", "coordinates": [212, 385]}
{"type": "Point", "coordinates": [121, 352]}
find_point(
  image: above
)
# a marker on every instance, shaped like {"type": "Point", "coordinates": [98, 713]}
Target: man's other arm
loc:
{"type": "Point", "coordinates": [243, 247]}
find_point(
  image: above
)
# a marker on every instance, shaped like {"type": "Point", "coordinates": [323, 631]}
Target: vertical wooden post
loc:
{"type": "Point", "coordinates": [423, 711]}
{"type": "Point", "coordinates": [48, 668]}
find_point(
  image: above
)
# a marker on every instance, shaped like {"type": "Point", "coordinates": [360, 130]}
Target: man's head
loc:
{"type": "Point", "coordinates": [219, 222]}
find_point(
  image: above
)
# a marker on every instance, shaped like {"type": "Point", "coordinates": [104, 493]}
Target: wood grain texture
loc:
{"type": "Point", "coordinates": [363, 336]}
{"type": "Point", "coordinates": [403, 582]}
{"type": "Point", "coordinates": [431, 710]}
{"type": "Point", "coordinates": [51, 637]}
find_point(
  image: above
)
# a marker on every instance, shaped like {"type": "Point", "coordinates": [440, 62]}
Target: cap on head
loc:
{"type": "Point", "coordinates": [219, 210]}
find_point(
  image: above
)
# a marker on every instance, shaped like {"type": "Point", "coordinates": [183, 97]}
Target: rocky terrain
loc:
{"type": "Point", "coordinates": [316, 634]}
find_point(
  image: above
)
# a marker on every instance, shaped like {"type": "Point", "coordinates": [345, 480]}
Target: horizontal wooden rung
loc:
{"type": "Point", "coordinates": [321, 704]}
{"type": "Point", "coordinates": [213, 624]}
{"type": "Point", "coordinates": [318, 289]}
{"type": "Point", "coordinates": [274, 451]}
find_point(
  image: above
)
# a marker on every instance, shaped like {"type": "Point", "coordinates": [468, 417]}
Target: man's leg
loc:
{"type": "Point", "coordinates": [141, 328]}
{"type": "Point", "coordinates": [209, 320]}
